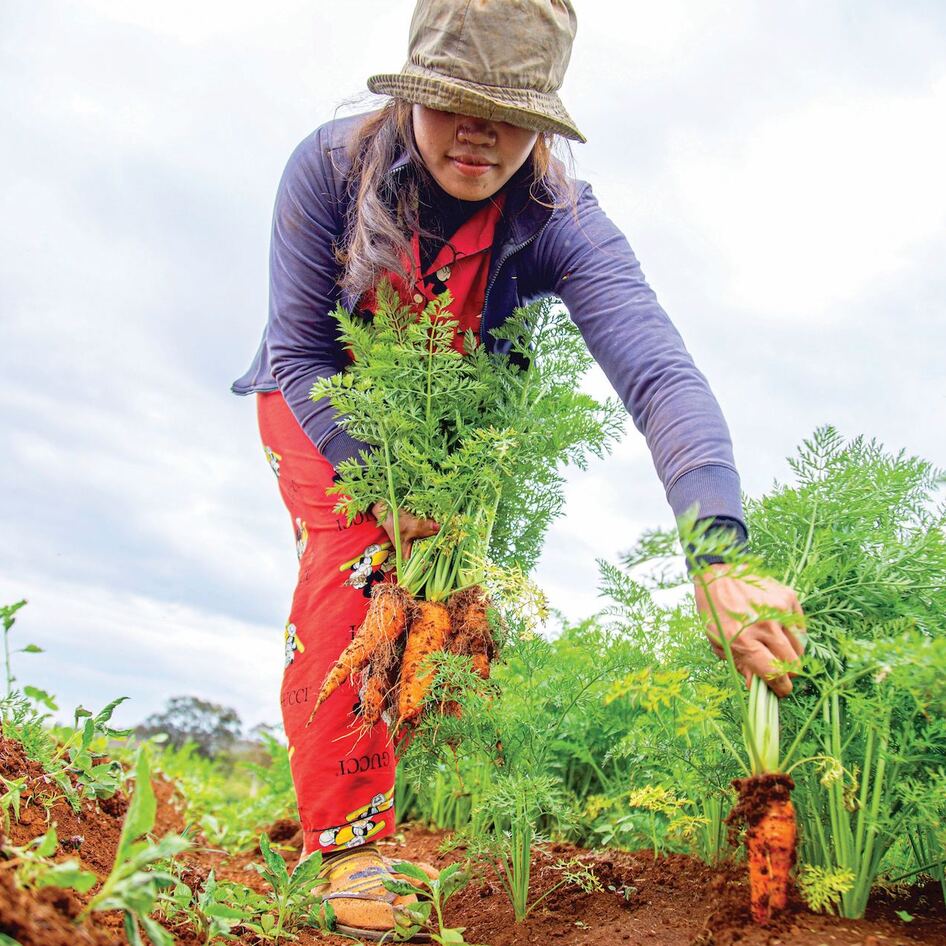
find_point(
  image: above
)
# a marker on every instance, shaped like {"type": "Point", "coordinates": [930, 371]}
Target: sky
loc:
{"type": "Point", "coordinates": [776, 167]}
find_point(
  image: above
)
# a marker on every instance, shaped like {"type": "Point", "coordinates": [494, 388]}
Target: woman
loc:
{"type": "Point", "coordinates": [451, 185]}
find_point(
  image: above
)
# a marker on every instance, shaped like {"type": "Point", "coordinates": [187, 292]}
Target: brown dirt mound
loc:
{"type": "Point", "coordinates": [664, 901]}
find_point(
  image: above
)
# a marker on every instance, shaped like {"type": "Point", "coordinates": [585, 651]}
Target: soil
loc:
{"type": "Point", "coordinates": [644, 901]}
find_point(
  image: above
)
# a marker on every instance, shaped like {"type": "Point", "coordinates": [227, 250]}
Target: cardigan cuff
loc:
{"type": "Point", "coordinates": [342, 446]}
{"type": "Point", "coordinates": [736, 534]}
{"type": "Point", "coordinates": [713, 488]}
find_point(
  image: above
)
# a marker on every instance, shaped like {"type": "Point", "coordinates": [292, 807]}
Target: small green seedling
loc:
{"type": "Point", "coordinates": [135, 882]}
{"type": "Point", "coordinates": [293, 894]}
{"type": "Point", "coordinates": [35, 867]}
{"type": "Point", "coordinates": [8, 617]}
{"type": "Point", "coordinates": [215, 910]}
{"type": "Point", "coordinates": [10, 799]}
{"type": "Point", "coordinates": [432, 894]}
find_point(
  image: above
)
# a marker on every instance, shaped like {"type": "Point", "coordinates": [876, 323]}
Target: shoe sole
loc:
{"type": "Point", "coordinates": [376, 935]}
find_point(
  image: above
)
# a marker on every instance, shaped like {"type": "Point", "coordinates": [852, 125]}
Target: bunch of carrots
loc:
{"type": "Point", "coordinates": [392, 650]}
{"type": "Point", "coordinates": [472, 440]}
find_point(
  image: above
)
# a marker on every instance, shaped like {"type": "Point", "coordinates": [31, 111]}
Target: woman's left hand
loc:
{"type": "Point", "coordinates": [736, 600]}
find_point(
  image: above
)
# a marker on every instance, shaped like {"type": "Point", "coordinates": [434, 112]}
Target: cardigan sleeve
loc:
{"type": "Point", "coordinates": [303, 273]}
{"type": "Point", "coordinates": [587, 260]}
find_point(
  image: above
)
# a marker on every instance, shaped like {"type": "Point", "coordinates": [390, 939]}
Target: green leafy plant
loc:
{"type": "Point", "coordinates": [823, 887]}
{"type": "Point", "coordinates": [860, 537]}
{"type": "Point", "coordinates": [135, 881]}
{"type": "Point", "coordinates": [662, 804]}
{"type": "Point", "coordinates": [35, 867]}
{"type": "Point", "coordinates": [8, 618]}
{"type": "Point", "coordinates": [471, 440]}
{"type": "Point", "coordinates": [863, 540]}
{"type": "Point", "coordinates": [294, 893]}
{"type": "Point", "coordinates": [10, 799]}
{"type": "Point", "coordinates": [432, 895]}
{"type": "Point", "coordinates": [215, 910]}
{"type": "Point", "coordinates": [231, 802]}
{"type": "Point", "coordinates": [97, 777]}
{"type": "Point", "coordinates": [518, 746]}
{"type": "Point", "coordinates": [517, 806]}
{"type": "Point", "coordinates": [75, 761]}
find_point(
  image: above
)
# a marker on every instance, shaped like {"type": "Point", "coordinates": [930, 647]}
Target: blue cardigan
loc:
{"type": "Point", "coordinates": [575, 253]}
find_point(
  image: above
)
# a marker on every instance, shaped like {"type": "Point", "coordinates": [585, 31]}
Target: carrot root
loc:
{"type": "Point", "coordinates": [429, 632]}
{"type": "Point", "coordinates": [387, 617]}
{"type": "Point", "coordinates": [372, 701]}
{"type": "Point", "coordinates": [468, 618]}
{"type": "Point", "coordinates": [766, 809]}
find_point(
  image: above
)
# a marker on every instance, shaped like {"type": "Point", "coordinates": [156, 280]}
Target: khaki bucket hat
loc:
{"type": "Point", "coordinates": [503, 60]}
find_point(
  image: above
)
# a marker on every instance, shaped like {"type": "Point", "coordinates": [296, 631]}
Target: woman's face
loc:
{"type": "Point", "coordinates": [470, 158]}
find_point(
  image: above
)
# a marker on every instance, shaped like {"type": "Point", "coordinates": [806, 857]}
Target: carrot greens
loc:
{"type": "Point", "coordinates": [472, 440]}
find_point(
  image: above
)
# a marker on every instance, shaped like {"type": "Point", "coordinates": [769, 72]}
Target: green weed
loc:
{"type": "Point", "coordinates": [135, 881]}
{"type": "Point", "coordinates": [432, 895]}
{"type": "Point", "coordinates": [294, 894]}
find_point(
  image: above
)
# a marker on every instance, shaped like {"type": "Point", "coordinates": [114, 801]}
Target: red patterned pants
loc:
{"type": "Point", "coordinates": [344, 782]}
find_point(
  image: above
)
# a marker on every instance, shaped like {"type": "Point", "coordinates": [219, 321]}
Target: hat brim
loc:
{"type": "Point", "coordinates": [538, 111]}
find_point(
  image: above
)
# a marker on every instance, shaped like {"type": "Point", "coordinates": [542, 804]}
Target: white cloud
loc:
{"type": "Point", "coordinates": [812, 208]}
{"type": "Point", "coordinates": [102, 643]}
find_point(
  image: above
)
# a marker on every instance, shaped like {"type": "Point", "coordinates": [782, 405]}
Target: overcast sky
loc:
{"type": "Point", "coordinates": [777, 167]}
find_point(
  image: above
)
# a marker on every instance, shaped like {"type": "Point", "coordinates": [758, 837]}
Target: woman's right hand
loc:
{"type": "Point", "coordinates": [411, 528]}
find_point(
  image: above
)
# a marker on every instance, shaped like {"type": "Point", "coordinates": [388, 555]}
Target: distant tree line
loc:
{"type": "Point", "coordinates": [215, 729]}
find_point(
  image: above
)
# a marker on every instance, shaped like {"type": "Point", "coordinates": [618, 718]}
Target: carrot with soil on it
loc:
{"type": "Point", "coordinates": [381, 679]}
{"type": "Point", "coordinates": [386, 620]}
{"type": "Point", "coordinates": [765, 808]}
{"type": "Point", "coordinates": [470, 635]}
{"type": "Point", "coordinates": [481, 665]}
{"type": "Point", "coordinates": [372, 700]}
{"type": "Point", "coordinates": [429, 632]}
{"type": "Point", "coordinates": [471, 630]}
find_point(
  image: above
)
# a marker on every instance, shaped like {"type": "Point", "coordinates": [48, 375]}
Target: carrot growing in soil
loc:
{"type": "Point", "coordinates": [765, 808]}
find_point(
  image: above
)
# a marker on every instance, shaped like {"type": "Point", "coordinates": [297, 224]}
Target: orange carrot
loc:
{"type": "Point", "coordinates": [481, 665]}
{"type": "Point", "coordinates": [766, 808]}
{"type": "Point", "coordinates": [471, 630]}
{"type": "Point", "coordinates": [771, 848]}
{"type": "Point", "coordinates": [429, 632]}
{"type": "Point", "coordinates": [372, 700]}
{"type": "Point", "coordinates": [386, 619]}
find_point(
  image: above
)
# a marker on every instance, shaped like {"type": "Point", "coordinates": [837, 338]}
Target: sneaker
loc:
{"type": "Point", "coordinates": [363, 906]}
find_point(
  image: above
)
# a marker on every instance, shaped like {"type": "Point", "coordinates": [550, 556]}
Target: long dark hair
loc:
{"type": "Point", "coordinates": [380, 222]}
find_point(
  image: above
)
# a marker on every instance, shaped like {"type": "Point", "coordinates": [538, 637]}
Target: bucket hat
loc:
{"type": "Point", "coordinates": [503, 60]}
